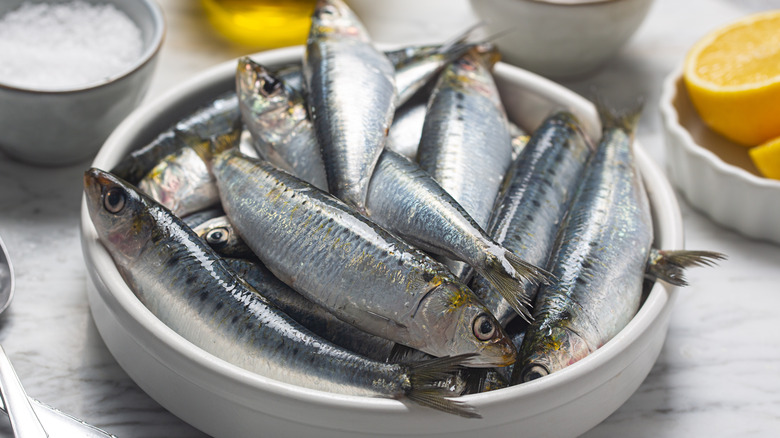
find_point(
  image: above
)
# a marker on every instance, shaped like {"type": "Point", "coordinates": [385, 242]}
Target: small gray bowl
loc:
{"type": "Point", "coordinates": [54, 128]}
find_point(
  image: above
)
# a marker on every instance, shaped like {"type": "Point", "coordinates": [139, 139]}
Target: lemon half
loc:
{"type": "Point", "coordinates": [733, 79]}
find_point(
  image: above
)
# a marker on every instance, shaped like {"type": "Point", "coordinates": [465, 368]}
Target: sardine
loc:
{"type": "Point", "coordinates": [218, 118]}
{"type": "Point", "coordinates": [275, 115]}
{"type": "Point", "coordinates": [534, 198]}
{"type": "Point", "coordinates": [309, 314]}
{"type": "Point", "coordinates": [219, 234]}
{"type": "Point", "coordinates": [195, 219]}
{"type": "Point", "coordinates": [417, 66]}
{"type": "Point", "coordinates": [351, 97]}
{"type": "Point", "coordinates": [406, 200]}
{"type": "Point", "coordinates": [465, 143]}
{"type": "Point", "coordinates": [600, 259]}
{"type": "Point", "coordinates": [193, 291]}
{"type": "Point", "coordinates": [364, 275]}
{"type": "Point", "coordinates": [406, 130]}
{"type": "Point", "coordinates": [182, 181]}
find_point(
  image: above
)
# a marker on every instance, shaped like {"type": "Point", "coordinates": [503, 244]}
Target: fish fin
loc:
{"type": "Point", "coordinates": [426, 387]}
{"type": "Point", "coordinates": [404, 354]}
{"type": "Point", "coordinates": [669, 266]}
{"type": "Point", "coordinates": [461, 39]}
{"type": "Point", "coordinates": [626, 120]}
{"type": "Point", "coordinates": [515, 282]}
{"type": "Point", "coordinates": [475, 380]}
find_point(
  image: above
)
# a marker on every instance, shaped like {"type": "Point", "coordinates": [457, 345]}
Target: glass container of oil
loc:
{"type": "Point", "coordinates": [261, 24]}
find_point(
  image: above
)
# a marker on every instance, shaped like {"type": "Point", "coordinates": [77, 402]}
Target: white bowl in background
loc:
{"type": "Point", "coordinates": [715, 174]}
{"type": "Point", "coordinates": [224, 400]}
{"type": "Point", "coordinates": [561, 38]}
{"type": "Point", "coordinates": [55, 128]}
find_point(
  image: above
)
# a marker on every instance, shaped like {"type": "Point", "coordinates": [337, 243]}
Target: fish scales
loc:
{"type": "Point", "coordinates": [219, 118]}
{"type": "Point", "coordinates": [309, 314]}
{"type": "Point", "coordinates": [534, 199]}
{"type": "Point", "coordinates": [351, 95]}
{"type": "Point", "coordinates": [465, 144]}
{"type": "Point", "coordinates": [194, 292]}
{"type": "Point", "coordinates": [276, 117]}
{"type": "Point", "coordinates": [323, 235]}
{"type": "Point", "coordinates": [363, 274]}
{"type": "Point", "coordinates": [599, 260]}
{"type": "Point", "coordinates": [406, 200]}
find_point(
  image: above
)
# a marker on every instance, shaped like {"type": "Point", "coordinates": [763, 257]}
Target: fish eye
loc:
{"type": "Point", "coordinates": [484, 328]}
{"type": "Point", "coordinates": [533, 372]}
{"type": "Point", "coordinates": [217, 236]}
{"type": "Point", "coordinates": [114, 200]}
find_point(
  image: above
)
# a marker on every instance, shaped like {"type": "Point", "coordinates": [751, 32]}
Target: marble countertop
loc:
{"type": "Point", "coordinates": [718, 374]}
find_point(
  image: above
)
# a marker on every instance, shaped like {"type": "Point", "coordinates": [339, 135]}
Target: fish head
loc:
{"type": "Point", "coordinates": [257, 84]}
{"type": "Point", "coordinates": [222, 237]}
{"type": "Point", "coordinates": [550, 348]}
{"type": "Point", "coordinates": [334, 17]}
{"type": "Point", "coordinates": [460, 323]}
{"type": "Point", "coordinates": [118, 212]}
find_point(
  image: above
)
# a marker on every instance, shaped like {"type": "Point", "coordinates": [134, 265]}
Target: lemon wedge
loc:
{"type": "Point", "coordinates": [733, 79]}
{"type": "Point", "coordinates": [767, 158]}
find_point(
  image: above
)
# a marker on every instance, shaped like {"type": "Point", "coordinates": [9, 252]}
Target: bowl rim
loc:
{"type": "Point", "coordinates": [657, 304]}
{"type": "Point", "coordinates": [671, 120]}
{"type": "Point", "coordinates": [158, 36]}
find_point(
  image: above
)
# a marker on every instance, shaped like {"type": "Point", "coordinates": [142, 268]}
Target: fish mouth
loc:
{"type": "Point", "coordinates": [498, 354]}
{"type": "Point", "coordinates": [96, 177]}
{"type": "Point", "coordinates": [94, 180]}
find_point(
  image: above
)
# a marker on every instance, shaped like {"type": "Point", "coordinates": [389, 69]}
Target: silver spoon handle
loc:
{"type": "Point", "coordinates": [62, 425]}
{"type": "Point", "coordinates": [23, 419]}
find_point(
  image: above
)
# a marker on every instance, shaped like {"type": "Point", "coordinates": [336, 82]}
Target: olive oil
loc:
{"type": "Point", "coordinates": [261, 24]}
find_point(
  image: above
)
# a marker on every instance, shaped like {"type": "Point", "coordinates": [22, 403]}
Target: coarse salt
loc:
{"type": "Point", "coordinates": [47, 46]}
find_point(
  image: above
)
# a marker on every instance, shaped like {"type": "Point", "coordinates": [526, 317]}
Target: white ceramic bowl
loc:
{"type": "Point", "coordinates": [561, 38]}
{"type": "Point", "coordinates": [68, 126]}
{"type": "Point", "coordinates": [714, 174]}
{"type": "Point", "coordinates": [226, 401]}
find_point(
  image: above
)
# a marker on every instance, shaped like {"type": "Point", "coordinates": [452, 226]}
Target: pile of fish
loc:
{"type": "Point", "coordinates": [370, 223]}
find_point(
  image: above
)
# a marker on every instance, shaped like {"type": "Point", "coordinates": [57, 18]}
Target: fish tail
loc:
{"type": "Point", "coordinates": [669, 266]}
{"type": "Point", "coordinates": [507, 273]}
{"type": "Point", "coordinates": [426, 385]}
{"type": "Point", "coordinates": [626, 120]}
{"type": "Point", "coordinates": [460, 40]}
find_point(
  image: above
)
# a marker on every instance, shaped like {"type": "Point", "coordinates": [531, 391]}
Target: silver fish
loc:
{"type": "Point", "coordinates": [195, 219]}
{"type": "Point", "coordinates": [416, 66]}
{"type": "Point", "coordinates": [182, 181]}
{"type": "Point", "coordinates": [220, 235]}
{"type": "Point", "coordinates": [534, 199]}
{"type": "Point", "coordinates": [364, 275]}
{"type": "Point", "coordinates": [193, 291]}
{"type": "Point", "coordinates": [406, 130]}
{"type": "Point", "coordinates": [465, 144]}
{"type": "Point", "coordinates": [309, 314]}
{"type": "Point", "coordinates": [351, 96]}
{"type": "Point", "coordinates": [275, 115]}
{"type": "Point", "coordinates": [406, 200]}
{"type": "Point", "coordinates": [219, 118]}
{"type": "Point", "coordinates": [600, 259]}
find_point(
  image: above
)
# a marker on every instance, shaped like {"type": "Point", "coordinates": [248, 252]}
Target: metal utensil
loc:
{"type": "Point", "coordinates": [57, 423]}
{"type": "Point", "coordinates": [61, 425]}
{"type": "Point", "coordinates": [24, 421]}
{"type": "Point", "coordinates": [6, 278]}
